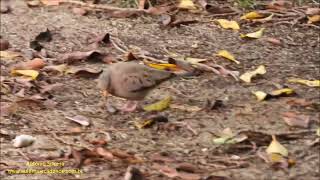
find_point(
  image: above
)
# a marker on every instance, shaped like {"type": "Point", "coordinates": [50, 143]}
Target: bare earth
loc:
{"type": "Point", "coordinates": [298, 56]}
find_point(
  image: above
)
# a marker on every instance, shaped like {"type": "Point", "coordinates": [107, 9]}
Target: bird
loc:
{"type": "Point", "coordinates": [131, 81]}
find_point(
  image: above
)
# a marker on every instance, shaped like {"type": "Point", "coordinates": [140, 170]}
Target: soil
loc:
{"type": "Point", "coordinates": [297, 56]}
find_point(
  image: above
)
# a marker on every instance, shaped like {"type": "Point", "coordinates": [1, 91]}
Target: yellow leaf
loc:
{"type": "Point", "coordinates": [9, 55]}
{"type": "Point", "coordinates": [159, 106]}
{"type": "Point", "coordinates": [227, 55]}
{"type": "Point", "coordinates": [255, 35]}
{"type": "Point", "coordinates": [281, 92]}
{"type": "Point", "coordinates": [187, 4]}
{"type": "Point", "coordinates": [246, 77]}
{"type": "Point", "coordinates": [144, 124]}
{"type": "Point", "coordinates": [315, 83]}
{"type": "Point", "coordinates": [31, 73]}
{"type": "Point", "coordinates": [269, 18]}
{"type": "Point", "coordinates": [226, 24]}
{"type": "Point", "coordinates": [164, 66]}
{"type": "Point", "coordinates": [318, 131]}
{"type": "Point", "coordinates": [260, 95]}
{"type": "Point", "coordinates": [313, 19]}
{"type": "Point", "coordinates": [276, 147]}
{"type": "Point", "coordinates": [274, 158]}
{"type": "Point", "coordinates": [252, 15]}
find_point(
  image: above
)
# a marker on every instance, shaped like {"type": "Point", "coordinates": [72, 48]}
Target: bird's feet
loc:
{"type": "Point", "coordinates": [130, 106]}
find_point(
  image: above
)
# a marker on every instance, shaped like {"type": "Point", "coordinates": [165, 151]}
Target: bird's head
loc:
{"type": "Point", "coordinates": [104, 82]}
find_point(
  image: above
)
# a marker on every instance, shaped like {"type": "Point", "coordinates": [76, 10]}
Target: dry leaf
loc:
{"type": "Point", "coordinates": [227, 55]}
{"type": "Point", "coordinates": [273, 41]}
{"type": "Point", "coordinates": [282, 92]}
{"type": "Point", "coordinates": [314, 83]}
{"type": "Point", "coordinates": [269, 18]}
{"type": "Point", "coordinates": [313, 19]}
{"type": "Point", "coordinates": [9, 55]}
{"type": "Point", "coordinates": [297, 120]}
{"type": "Point", "coordinates": [104, 153]}
{"type": "Point", "coordinates": [194, 60]}
{"type": "Point", "coordinates": [246, 77]}
{"type": "Point", "coordinates": [276, 147]}
{"type": "Point", "coordinates": [148, 122]}
{"type": "Point", "coordinates": [252, 15]}
{"type": "Point", "coordinates": [159, 106]}
{"type": "Point", "coordinates": [185, 108]}
{"type": "Point", "coordinates": [254, 35]}
{"type": "Point", "coordinates": [226, 24]}
{"type": "Point", "coordinates": [84, 121]}
{"type": "Point", "coordinates": [164, 66]}
{"type": "Point", "coordinates": [318, 131]}
{"type": "Point", "coordinates": [260, 95]}
{"type": "Point", "coordinates": [187, 4]}
{"type": "Point", "coordinates": [79, 11]}
{"type": "Point", "coordinates": [313, 11]}
{"type": "Point", "coordinates": [30, 73]}
{"type": "Point", "coordinates": [7, 109]}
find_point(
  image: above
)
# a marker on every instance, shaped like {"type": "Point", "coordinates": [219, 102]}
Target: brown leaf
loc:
{"type": "Point", "coordinates": [279, 5]}
{"type": "Point", "coordinates": [45, 36]}
{"type": "Point", "coordinates": [21, 93]}
{"type": "Point", "coordinates": [34, 64]}
{"type": "Point", "coordinates": [120, 154]}
{"type": "Point", "coordinates": [4, 44]}
{"type": "Point", "coordinates": [104, 153]}
{"type": "Point", "coordinates": [186, 167]}
{"type": "Point", "coordinates": [99, 142]}
{"type": "Point", "coordinates": [157, 157]}
{"type": "Point", "coordinates": [30, 103]}
{"type": "Point", "coordinates": [173, 173]}
{"type": "Point", "coordinates": [133, 173]}
{"type": "Point", "coordinates": [79, 11]}
{"type": "Point", "coordinates": [84, 121]}
{"type": "Point", "coordinates": [93, 55]}
{"type": "Point", "coordinates": [297, 120]}
{"type": "Point", "coordinates": [84, 72]}
{"type": "Point", "coordinates": [50, 104]}
{"type": "Point", "coordinates": [299, 102]}
{"type": "Point", "coordinates": [56, 68]}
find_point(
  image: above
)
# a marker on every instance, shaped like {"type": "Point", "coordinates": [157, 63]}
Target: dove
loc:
{"type": "Point", "coordinates": [131, 81]}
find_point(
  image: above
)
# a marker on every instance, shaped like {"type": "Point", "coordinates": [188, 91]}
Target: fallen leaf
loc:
{"type": "Point", "coordinates": [187, 4]}
{"type": "Point", "coordinates": [227, 55]}
{"type": "Point", "coordinates": [297, 120]}
{"type": "Point", "coordinates": [314, 83]}
{"type": "Point", "coordinates": [252, 15]}
{"type": "Point", "coordinates": [260, 95]}
{"type": "Point", "coordinates": [34, 64]}
{"type": "Point", "coordinates": [226, 24]}
{"type": "Point", "coordinates": [50, 87]}
{"type": "Point", "coordinates": [173, 173]}
{"type": "Point", "coordinates": [195, 60]}
{"type": "Point", "coordinates": [158, 10]}
{"type": "Point", "coordinates": [30, 73]}
{"type": "Point", "coordinates": [282, 92]}
{"type": "Point", "coordinates": [276, 147]}
{"type": "Point", "coordinates": [9, 55]}
{"type": "Point", "coordinates": [254, 35]}
{"type": "Point", "coordinates": [44, 36]}
{"type": "Point", "coordinates": [228, 137]}
{"type": "Point", "coordinates": [263, 20]}
{"type": "Point", "coordinates": [313, 19]}
{"type": "Point", "coordinates": [159, 106]}
{"type": "Point", "coordinates": [4, 44]}
{"type": "Point", "coordinates": [84, 121]}
{"type": "Point", "coordinates": [84, 72]}
{"type": "Point", "coordinates": [246, 77]}
{"type": "Point", "coordinates": [148, 122]}
{"type": "Point", "coordinates": [164, 66]}
{"type": "Point", "coordinates": [94, 56]}
{"type": "Point", "coordinates": [318, 131]}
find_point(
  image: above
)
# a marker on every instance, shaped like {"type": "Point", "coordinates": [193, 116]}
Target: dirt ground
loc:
{"type": "Point", "coordinates": [298, 56]}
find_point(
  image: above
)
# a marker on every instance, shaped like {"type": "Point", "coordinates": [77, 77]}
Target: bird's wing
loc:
{"type": "Point", "coordinates": [138, 81]}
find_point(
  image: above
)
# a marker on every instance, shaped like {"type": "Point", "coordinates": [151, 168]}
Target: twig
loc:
{"type": "Point", "coordinates": [24, 155]}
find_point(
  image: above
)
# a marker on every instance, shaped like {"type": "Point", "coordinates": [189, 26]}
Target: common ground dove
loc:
{"type": "Point", "coordinates": [131, 81]}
